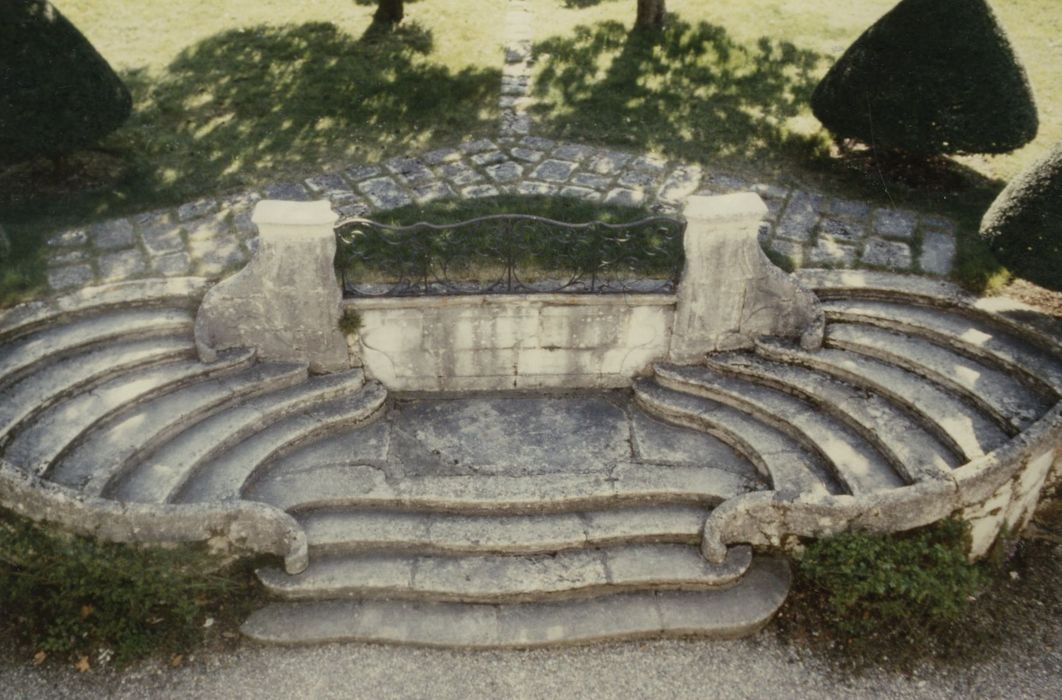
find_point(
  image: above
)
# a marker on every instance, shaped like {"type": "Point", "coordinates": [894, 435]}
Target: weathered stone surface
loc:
{"type": "Point", "coordinates": [362, 172]}
{"type": "Point", "coordinates": [112, 235]}
{"type": "Point", "coordinates": [476, 191]}
{"type": "Point", "coordinates": [609, 162]}
{"type": "Point", "coordinates": [71, 237]}
{"type": "Point", "coordinates": [70, 277]}
{"type": "Point", "coordinates": [289, 191]}
{"type": "Point", "coordinates": [460, 173]}
{"type": "Point", "coordinates": [831, 253]}
{"type": "Point", "coordinates": [680, 184]}
{"type": "Point", "coordinates": [489, 158]}
{"type": "Point", "coordinates": [840, 231]}
{"type": "Point", "coordinates": [554, 170]}
{"type": "Point", "coordinates": [584, 193]}
{"type": "Point", "coordinates": [528, 155]}
{"type": "Point", "coordinates": [214, 256]}
{"type": "Point", "coordinates": [196, 209]}
{"type": "Point", "coordinates": [528, 187]}
{"type": "Point", "coordinates": [285, 303]}
{"type": "Point", "coordinates": [890, 254]}
{"type": "Point", "coordinates": [328, 182]}
{"type": "Point", "coordinates": [730, 292]}
{"type": "Point", "coordinates": [441, 155]}
{"type": "Point", "coordinates": [121, 265]}
{"type": "Point", "coordinates": [850, 210]}
{"type": "Point", "coordinates": [894, 223]}
{"type": "Point", "coordinates": [938, 253]}
{"type": "Point", "coordinates": [798, 220]}
{"type": "Point", "coordinates": [410, 170]}
{"type": "Point", "coordinates": [791, 250]}
{"type": "Point", "coordinates": [506, 171]}
{"type": "Point", "coordinates": [471, 147]}
{"type": "Point", "coordinates": [625, 197]}
{"type": "Point", "coordinates": [385, 193]}
{"type": "Point", "coordinates": [172, 264]}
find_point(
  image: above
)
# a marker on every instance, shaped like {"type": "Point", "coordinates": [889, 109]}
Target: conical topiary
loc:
{"type": "Point", "coordinates": [930, 77]}
{"type": "Point", "coordinates": [1024, 224]}
{"type": "Point", "coordinates": [57, 93]}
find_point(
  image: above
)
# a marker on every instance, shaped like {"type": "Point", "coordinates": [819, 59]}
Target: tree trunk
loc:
{"type": "Point", "coordinates": [650, 14]}
{"type": "Point", "coordinates": [390, 11]}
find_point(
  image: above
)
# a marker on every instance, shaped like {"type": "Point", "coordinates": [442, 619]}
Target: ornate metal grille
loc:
{"type": "Point", "coordinates": [509, 253]}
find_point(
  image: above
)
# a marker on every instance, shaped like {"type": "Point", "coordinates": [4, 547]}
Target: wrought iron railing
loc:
{"type": "Point", "coordinates": [509, 253]}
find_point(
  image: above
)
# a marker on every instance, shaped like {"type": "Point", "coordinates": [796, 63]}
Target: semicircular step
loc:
{"type": "Point", "coordinates": [508, 579]}
{"type": "Point", "coordinates": [784, 461]}
{"type": "Point", "coordinates": [58, 428]}
{"type": "Point", "coordinates": [24, 355]}
{"type": "Point", "coordinates": [331, 532]}
{"type": "Point", "coordinates": [956, 423]}
{"type": "Point", "coordinates": [737, 610]}
{"type": "Point", "coordinates": [975, 338]}
{"type": "Point", "coordinates": [224, 476]}
{"type": "Point", "coordinates": [1001, 397]}
{"type": "Point", "coordinates": [161, 474]}
{"type": "Point", "coordinates": [911, 451]}
{"type": "Point", "coordinates": [853, 461]}
{"type": "Point", "coordinates": [171, 292]}
{"type": "Point", "coordinates": [107, 452]}
{"type": "Point", "coordinates": [354, 486]}
{"type": "Point", "coordinates": [20, 402]}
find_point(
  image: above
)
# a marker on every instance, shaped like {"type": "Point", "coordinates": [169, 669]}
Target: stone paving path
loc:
{"type": "Point", "coordinates": [214, 235]}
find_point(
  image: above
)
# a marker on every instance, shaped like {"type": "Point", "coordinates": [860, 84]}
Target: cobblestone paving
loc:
{"type": "Point", "coordinates": [212, 236]}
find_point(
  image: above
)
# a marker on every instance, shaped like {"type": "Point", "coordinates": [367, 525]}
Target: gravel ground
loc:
{"type": "Point", "coordinates": [1012, 649]}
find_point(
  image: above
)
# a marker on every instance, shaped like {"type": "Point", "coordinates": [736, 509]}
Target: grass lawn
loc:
{"type": "Point", "coordinates": [232, 94]}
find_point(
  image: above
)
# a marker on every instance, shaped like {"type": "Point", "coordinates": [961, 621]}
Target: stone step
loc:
{"type": "Point", "coordinates": [28, 353]}
{"type": "Point", "coordinates": [162, 473]}
{"type": "Point", "coordinates": [332, 532]}
{"type": "Point", "coordinates": [736, 611]}
{"type": "Point", "coordinates": [998, 395]}
{"type": "Point", "coordinates": [57, 429]}
{"type": "Point", "coordinates": [975, 338]}
{"type": "Point", "coordinates": [106, 452]}
{"type": "Point", "coordinates": [778, 457]}
{"type": "Point", "coordinates": [364, 486]}
{"type": "Point", "coordinates": [23, 400]}
{"type": "Point", "coordinates": [223, 477]}
{"type": "Point", "coordinates": [956, 423]}
{"type": "Point", "coordinates": [852, 460]}
{"type": "Point", "coordinates": [508, 579]}
{"type": "Point", "coordinates": [173, 292]}
{"type": "Point", "coordinates": [912, 451]}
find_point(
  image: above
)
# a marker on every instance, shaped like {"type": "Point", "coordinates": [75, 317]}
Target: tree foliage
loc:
{"type": "Point", "coordinates": [1024, 224]}
{"type": "Point", "coordinates": [930, 77]}
{"type": "Point", "coordinates": [57, 94]}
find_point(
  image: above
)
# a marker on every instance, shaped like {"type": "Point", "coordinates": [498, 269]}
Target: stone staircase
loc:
{"type": "Point", "coordinates": [100, 393]}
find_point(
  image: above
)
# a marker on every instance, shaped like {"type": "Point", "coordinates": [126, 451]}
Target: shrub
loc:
{"type": "Point", "coordinates": [891, 585]}
{"type": "Point", "coordinates": [68, 595]}
{"type": "Point", "coordinates": [1024, 224]}
{"type": "Point", "coordinates": [57, 94]}
{"type": "Point", "coordinates": [930, 77]}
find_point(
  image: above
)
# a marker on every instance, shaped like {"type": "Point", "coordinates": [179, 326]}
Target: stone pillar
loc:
{"type": "Point", "coordinates": [286, 302]}
{"type": "Point", "coordinates": [730, 293]}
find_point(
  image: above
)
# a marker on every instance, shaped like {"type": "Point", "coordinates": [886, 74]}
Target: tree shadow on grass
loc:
{"type": "Point", "coordinates": [266, 103]}
{"type": "Point", "coordinates": [690, 91]}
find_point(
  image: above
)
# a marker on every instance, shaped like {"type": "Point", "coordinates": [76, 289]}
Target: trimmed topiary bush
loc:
{"type": "Point", "coordinates": [57, 94]}
{"type": "Point", "coordinates": [930, 77]}
{"type": "Point", "coordinates": [1024, 225]}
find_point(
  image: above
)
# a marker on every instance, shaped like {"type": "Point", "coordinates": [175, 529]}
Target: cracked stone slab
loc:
{"type": "Point", "coordinates": [519, 435]}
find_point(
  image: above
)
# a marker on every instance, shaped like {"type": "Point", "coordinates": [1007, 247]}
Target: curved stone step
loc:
{"type": "Point", "coordinates": [24, 355]}
{"type": "Point", "coordinates": [105, 453]}
{"type": "Point", "coordinates": [789, 467]}
{"type": "Point", "coordinates": [363, 486]}
{"type": "Point", "coordinates": [974, 338]}
{"type": "Point", "coordinates": [911, 451]}
{"type": "Point", "coordinates": [174, 292]}
{"type": "Point", "coordinates": [223, 477]}
{"type": "Point", "coordinates": [332, 532]}
{"type": "Point", "coordinates": [66, 377]}
{"type": "Point", "coordinates": [159, 475]}
{"type": "Point", "coordinates": [57, 429]}
{"type": "Point", "coordinates": [508, 579]}
{"type": "Point", "coordinates": [966, 430]}
{"type": "Point", "coordinates": [1013, 316]}
{"type": "Point", "coordinates": [1000, 396]}
{"type": "Point", "coordinates": [731, 612]}
{"type": "Point", "coordinates": [853, 461]}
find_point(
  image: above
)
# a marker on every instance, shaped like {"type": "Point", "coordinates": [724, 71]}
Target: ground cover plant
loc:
{"type": "Point", "coordinates": [75, 599]}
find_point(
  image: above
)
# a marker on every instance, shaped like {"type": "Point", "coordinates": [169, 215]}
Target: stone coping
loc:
{"type": "Point", "coordinates": [433, 301]}
{"type": "Point", "coordinates": [239, 527]}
